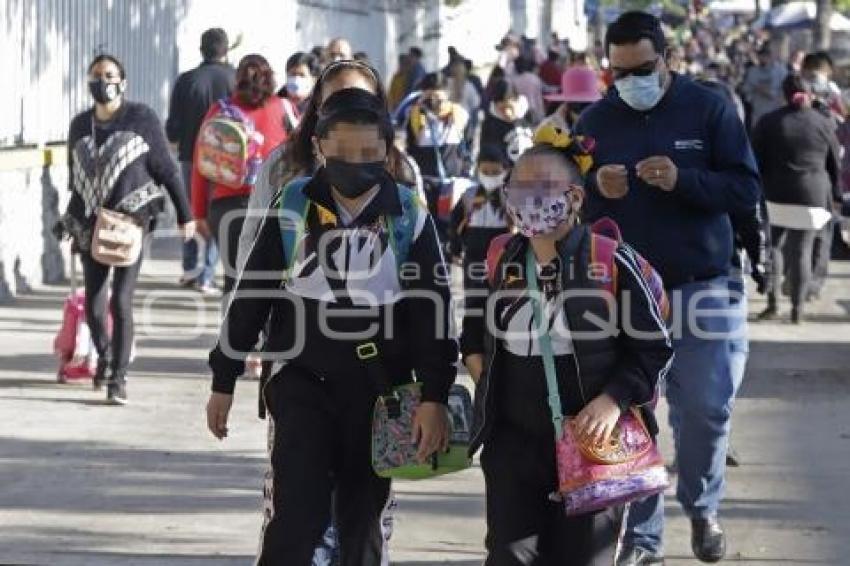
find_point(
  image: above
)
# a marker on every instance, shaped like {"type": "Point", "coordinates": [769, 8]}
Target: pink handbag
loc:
{"type": "Point", "coordinates": [593, 477]}
{"type": "Point", "coordinates": [629, 467]}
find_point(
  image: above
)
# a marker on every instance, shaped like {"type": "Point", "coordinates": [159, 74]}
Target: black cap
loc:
{"type": "Point", "coordinates": [352, 104]}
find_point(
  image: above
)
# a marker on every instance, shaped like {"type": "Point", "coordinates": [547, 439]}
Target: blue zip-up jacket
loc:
{"type": "Point", "coordinates": [686, 234]}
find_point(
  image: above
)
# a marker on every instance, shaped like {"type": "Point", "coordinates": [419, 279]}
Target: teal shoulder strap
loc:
{"type": "Point", "coordinates": [545, 344]}
{"type": "Point", "coordinates": [292, 214]}
{"type": "Point", "coordinates": [403, 228]}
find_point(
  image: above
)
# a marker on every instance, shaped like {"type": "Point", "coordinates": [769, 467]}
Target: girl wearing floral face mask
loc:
{"type": "Point", "coordinates": [602, 364]}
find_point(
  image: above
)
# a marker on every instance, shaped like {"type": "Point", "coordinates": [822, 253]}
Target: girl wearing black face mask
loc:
{"type": "Point", "coordinates": [330, 270]}
{"type": "Point", "coordinates": [118, 158]}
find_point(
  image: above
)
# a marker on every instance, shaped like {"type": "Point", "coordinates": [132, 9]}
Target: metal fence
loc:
{"type": "Point", "coordinates": [45, 46]}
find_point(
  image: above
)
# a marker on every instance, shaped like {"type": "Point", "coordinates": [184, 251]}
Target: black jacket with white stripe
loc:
{"type": "Point", "coordinates": [346, 288]}
{"type": "Point", "coordinates": [624, 352]}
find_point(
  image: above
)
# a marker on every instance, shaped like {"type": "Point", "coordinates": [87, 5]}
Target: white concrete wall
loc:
{"type": "Point", "coordinates": [569, 21]}
{"type": "Point", "coordinates": [30, 201]}
{"type": "Point", "coordinates": [474, 28]}
{"type": "Point", "coordinates": [265, 27]}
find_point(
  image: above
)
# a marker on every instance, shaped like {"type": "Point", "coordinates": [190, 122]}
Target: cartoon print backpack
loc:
{"type": "Point", "coordinates": [606, 238]}
{"type": "Point", "coordinates": [228, 147]}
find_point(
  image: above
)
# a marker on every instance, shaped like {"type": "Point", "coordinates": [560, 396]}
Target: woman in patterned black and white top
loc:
{"type": "Point", "coordinates": [118, 159]}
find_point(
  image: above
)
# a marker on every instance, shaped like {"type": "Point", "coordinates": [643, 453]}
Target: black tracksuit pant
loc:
{"type": "Point", "coordinates": [116, 350]}
{"type": "Point", "coordinates": [322, 445]}
{"type": "Point", "coordinates": [524, 527]}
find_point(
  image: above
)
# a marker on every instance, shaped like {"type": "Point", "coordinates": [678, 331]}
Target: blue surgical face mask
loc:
{"type": "Point", "coordinates": [640, 93]}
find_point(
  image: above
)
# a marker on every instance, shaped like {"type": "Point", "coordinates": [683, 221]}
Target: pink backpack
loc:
{"type": "Point", "coordinates": [605, 239]}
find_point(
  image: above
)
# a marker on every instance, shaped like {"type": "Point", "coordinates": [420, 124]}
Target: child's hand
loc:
{"type": "Point", "coordinates": [218, 408]}
{"type": "Point", "coordinates": [475, 364]}
{"type": "Point", "coordinates": [430, 429]}
{"type": "Point", "coordinates": [596, 422]}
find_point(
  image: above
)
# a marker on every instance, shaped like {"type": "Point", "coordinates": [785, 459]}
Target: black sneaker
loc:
{"type": "Point", "coordinates": [770, 313]}
{"type": "Point", "coordinates": [116, 392]}
{"type": "Point", "coordinates": [797, 316]}
{"type": "Point", "coordinates": [708, 541]}
{"type": "Point", "coordinates": [100, 374]}
{"type": "Point", "coordinates": [733, 460]}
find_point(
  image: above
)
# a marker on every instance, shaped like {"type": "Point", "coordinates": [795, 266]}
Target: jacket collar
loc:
{"type": "Point", "coordinates": [385, 203]}
{"type": "Point", "coordinates": [572, 250]}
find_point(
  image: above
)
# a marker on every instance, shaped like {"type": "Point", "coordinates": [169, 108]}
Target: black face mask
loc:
{"type": "Point", "coordinates": [104, 92]}
{"type": "Point", "coordinates": [353, 179]}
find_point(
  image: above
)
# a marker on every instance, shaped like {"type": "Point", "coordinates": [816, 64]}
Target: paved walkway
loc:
{"type": "Point", "coordinates": [86, 484]}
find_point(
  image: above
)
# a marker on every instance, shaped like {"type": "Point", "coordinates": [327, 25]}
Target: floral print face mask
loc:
{"type": "Point", "coordinates": [537, 213]}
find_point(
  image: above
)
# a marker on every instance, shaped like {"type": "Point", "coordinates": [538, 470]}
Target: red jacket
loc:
{"type": "Point", "coordinates": [268, 120]}
{"type": "Point", "coordinates": [550, 73]}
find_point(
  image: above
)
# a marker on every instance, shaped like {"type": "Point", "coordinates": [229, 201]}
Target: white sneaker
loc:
{"type": "Point", "coordinates": [207, 290]}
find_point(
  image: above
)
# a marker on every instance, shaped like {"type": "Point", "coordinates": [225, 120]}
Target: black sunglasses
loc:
{"type": "Point", "coordinates": [643, 70]}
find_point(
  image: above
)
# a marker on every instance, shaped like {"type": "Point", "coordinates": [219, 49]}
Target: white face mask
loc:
{"type": "Point", "coordinates": [299, 86]}
{"type": "Point", "coordinates": [640, 93]}
{"type": "Point", "coordinates": [491, 182]}
{"type": "Point", "coordinates": [820, 82]}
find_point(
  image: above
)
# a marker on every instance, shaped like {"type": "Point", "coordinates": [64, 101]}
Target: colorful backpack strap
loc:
{"type": "Point", "coordinates": [494, 255]}
{"type": "Point", "coordinates": [292, 213]}
{"type": "Point", "coordinates": [230, 110]}
{"type": "Point", "coordinates": [606, 226]}
{"type": "Point", "coordinates": [606, 240]}
{"type": "Point", "coordinates": [471, 202]}
{"type": "Point", "coordinates": [404, 229]}
{"type": "Point", "coordinates": [656, 285]}
{"type": "Point", "coordinates": [603, 266]}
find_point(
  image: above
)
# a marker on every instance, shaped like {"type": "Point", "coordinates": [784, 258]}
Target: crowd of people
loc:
{"type": "Point", "coordinates": [714, 161]}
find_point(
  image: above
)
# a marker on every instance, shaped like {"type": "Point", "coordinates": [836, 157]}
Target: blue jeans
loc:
{"type": "Point", "coordinates": [700, 389]}
{"type": "Point", "coordinates": [203, 273]}
{"type": "Point", "coordinates": [739, 345]}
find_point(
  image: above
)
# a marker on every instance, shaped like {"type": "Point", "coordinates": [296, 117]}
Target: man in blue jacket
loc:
{"type": "Point", "coordinates": [673, 163]}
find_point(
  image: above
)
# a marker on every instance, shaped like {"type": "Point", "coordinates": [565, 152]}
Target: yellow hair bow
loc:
{"type": "Point", "coordinates": [549, 134]}
{"type": "Point", "coordinates": [559, 138]}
